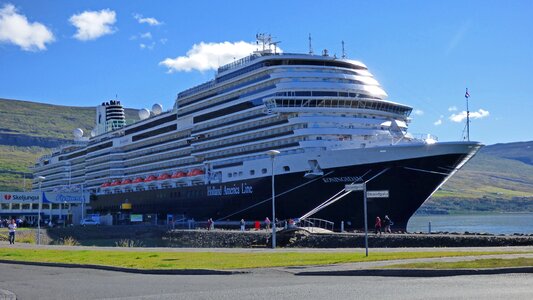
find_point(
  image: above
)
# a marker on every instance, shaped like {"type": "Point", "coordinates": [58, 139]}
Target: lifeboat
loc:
{"type": "Point", "coordinates": [163, 176]}
{"type": "Point", "coordinates": [195, 172]}
{"type": "Point", "coordinates": [150, 178]}
{"type": "Point", "coordinates": [126, 181]}
{"type": "Point", "coordinates": [137, 180]}
{"type": "Point", "coordinates": [115, 183]}
{"type": "Point", "coordinates": [179, 174]}
{"type": "Point", "coordinates": [105, 184]}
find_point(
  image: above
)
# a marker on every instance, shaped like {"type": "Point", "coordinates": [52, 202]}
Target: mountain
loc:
{"type": "Point", "coordinates": [29, 130]}
{"type": "Point", "coordinates": [498, 178]}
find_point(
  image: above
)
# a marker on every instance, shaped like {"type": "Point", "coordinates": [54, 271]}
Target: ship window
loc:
{"type": "Point", "coordinates": [46, 206]}
{"type": "Point", "coordinates": [229, 175]}
{"type": "Point", "coordinates": [5, 206]}
{"type": "Point", "coordinates": [318, 138]}
{"type": "Point", "coordinates": [263, 170]}
{"type": "Point", "coordinates": [252, 172]}
{"type": "Point", "coordinates": [15, 206]}
{"type": "Point", "coordinates": [55, 206]}
{"type": "Point", "coordinates": [286, 168]}
{"type": "Point", "coordinates": [26, 206]}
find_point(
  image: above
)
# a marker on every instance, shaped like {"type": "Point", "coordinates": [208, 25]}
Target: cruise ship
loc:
{"type": "Point", "coordinates": [210, 156]}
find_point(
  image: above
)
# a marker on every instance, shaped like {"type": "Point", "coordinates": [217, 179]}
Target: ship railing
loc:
{"type": "Point", "coordinates": [315, 225]}
{"type": "Point", "coordinates": [424, 137]}
{"type": "Point", "coordinates": [238, 63]}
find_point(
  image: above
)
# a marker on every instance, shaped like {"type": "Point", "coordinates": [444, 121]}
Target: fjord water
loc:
{"type": "Point", "coordinates": [507, 223]}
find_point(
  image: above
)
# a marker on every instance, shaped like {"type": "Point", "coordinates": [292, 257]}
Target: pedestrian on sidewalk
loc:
{"type": "Point", "coordinates": [209, 224]}
{"type": "Point", "coordinates": [387, 222]}
{"type": "Point", "coordinates": [267, 223]}
{"type": "Point", "coordinates": [242, 224]}
{"type": "Point", "coordinates": [12, 228]}
{"type": "Point", "coordinates": [377, 225]}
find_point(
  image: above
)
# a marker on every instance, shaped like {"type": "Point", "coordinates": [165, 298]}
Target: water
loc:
{"type": "Point", "coordinates": [493, 223]}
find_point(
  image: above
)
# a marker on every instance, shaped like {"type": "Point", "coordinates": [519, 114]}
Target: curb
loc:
{"type": "Point", "coordinates": [7, 295]}
{"type": "Point", "coordinates": [126, 270]}
{"type": "Point", "coordinates": [418, 272]}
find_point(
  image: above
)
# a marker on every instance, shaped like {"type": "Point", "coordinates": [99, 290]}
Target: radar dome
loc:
{"type": "Point", "coordinates": [78, 133]}
{"type": "Point", "coordinates": [144, 113]}
{"type": "Point", "coordinates": [157, 108]}
{"type": "Point", "coordinates": [93, 133]}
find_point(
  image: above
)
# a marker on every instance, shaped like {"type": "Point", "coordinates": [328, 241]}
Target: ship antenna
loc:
{"type": "Point", "coordinates": [343, 53]}
{"type": "Point", "coordinates": [467, 95]}
{"type": "Point", "coordinates": [310, 46]}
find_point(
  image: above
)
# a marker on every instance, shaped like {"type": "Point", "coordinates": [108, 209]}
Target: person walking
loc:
{"type": "Point", "coordinates": [267, 223]}
{"type": "Point", "coordinates": [209, 223]}
{"type": "Point", "coordinates": [12, 228]}
{"type": "Point", "coordinates": [377, 225]}
{"type": "Point", "coordinates": [387, 222]}
{"type": "Point", "coordinates": [242, 224]}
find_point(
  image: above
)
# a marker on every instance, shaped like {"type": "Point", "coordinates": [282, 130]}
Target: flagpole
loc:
{"type": "Point", "coordinates": [467, 117]}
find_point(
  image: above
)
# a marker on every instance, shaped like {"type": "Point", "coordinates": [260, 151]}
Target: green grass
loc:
{"type": "Point", "coordinates": [211, 260]}
{"type": "Point", "coordinates": [475, 264]}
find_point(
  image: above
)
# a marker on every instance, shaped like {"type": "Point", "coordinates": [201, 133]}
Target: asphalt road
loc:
{"type": "Point", "coordinates": [36, 282]}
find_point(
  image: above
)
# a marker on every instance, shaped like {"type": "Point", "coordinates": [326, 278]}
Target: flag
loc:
{"type": "Point", "coordinates": [467, 95]}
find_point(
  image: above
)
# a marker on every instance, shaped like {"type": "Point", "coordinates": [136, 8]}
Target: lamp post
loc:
{"type": "Point", "coordinates": [273, 154]}
{"type": "Point", "coordinates": [40, 179]}
{"type": "Point", "coordinates": [63, 216]}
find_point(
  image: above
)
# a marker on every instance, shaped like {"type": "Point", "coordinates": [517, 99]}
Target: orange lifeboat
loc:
{"type": "Point", "coordinates": [195, 172]}
{"type": "Point", "coordinates": [115, 183]}
{"type": "Point", "coordinates": [163, 176]}
{"type": "Point", "coordinates": [137, 180]}
{"type": "Point", "coordinates": [179, 174]}
{"type": "Point", "coordinates": [126, 181]}
{"type": "Point", "coordinates": [150, 178]}
{"type": "Point", "coordinates": [105, 184]}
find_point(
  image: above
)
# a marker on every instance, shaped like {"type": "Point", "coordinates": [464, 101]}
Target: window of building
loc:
{"type": "Point", "coordinates": [4, 206]}
{"type": "Point", "coordinates": [35, 206]}
{"type": "Point", "coordinates": [55, 206]}
{"type": "Point", "coordinates": [26, 206]}
{"type": "Point", "coordinates": [46, 206]}
{"type": "Point", "coordinates": [15, 205]}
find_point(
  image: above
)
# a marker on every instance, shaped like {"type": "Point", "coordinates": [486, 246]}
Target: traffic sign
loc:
{"type": "Point", "coordinates": [355, 187]}
{"type": "Point", "coordinates": [377, 194]}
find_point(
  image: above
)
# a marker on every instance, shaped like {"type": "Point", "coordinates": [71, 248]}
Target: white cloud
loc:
{"type": "Point", "coordinates": [208, 56]}
{"type": "Point", "coordinates": [481, 113]}
{"type": "Point", "coordinates": [149, 21]}
{"type": "Point", "coordinates": [15, 29]}
{"type": "Point", "coordinates": [438, 122]}
{"type": "Point", "coordinates": [147, 46]}
{"type": "Point", "coordinates": [163, 41]}
{"type": "Point", "coordinates": [452, 108]}
{"type": "Point", "coordinates": [146, 35]}
{"type": "Point", "coordinates": [93, 24]}
{"type": "Point", "coordinates": [418, 112]}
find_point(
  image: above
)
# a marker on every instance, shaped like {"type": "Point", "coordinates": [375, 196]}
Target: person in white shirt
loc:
{"type": "Point", "coordinates": [12, 228]}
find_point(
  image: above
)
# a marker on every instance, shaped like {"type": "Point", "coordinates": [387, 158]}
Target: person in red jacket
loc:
{"type": "Point", "coordinates": [377, 225]}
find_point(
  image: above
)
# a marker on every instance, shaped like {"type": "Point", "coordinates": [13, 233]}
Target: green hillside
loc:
{"type": "Point", "coordinates": [498, 178]}
{"type": "Point", "coordinates": [46, 120]}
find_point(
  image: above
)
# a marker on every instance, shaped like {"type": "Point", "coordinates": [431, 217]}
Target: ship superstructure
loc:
{"type": "Point", "coordinates": [206, 157]}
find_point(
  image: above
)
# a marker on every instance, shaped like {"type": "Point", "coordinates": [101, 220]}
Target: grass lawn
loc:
{"type": "Point", "coordinates": [211, 260]}
{"type": "Point", "coordinates": [474, 264]}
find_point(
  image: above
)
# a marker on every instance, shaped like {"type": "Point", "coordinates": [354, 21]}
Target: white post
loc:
{"type": "Point", "coordinates": [40, 179]}
{"type": "Point", "coordinates": [366, 218]}
{"type": "Point", "coordinates": [273, 154]}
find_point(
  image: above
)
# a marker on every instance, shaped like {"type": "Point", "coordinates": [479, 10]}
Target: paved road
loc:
{"type": "Point", "coordinates": [34, 282]}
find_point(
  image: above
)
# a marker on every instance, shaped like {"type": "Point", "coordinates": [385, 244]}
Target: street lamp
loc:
{"type": "Point", "coordinates": [40, 179]}
{"type": "Point", "coordinates": [273, 154]}
{"type": "Point", "coordinates": [64, 216]}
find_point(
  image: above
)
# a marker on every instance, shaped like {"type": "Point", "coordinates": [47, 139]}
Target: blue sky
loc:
{"type": "Point", "coordinates": [424, 53]}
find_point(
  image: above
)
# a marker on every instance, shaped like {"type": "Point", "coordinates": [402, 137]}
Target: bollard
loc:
{"type": "Point", "coordinates": [342, 226]}
{"type": "Point", "coordinates": [429, 227]}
